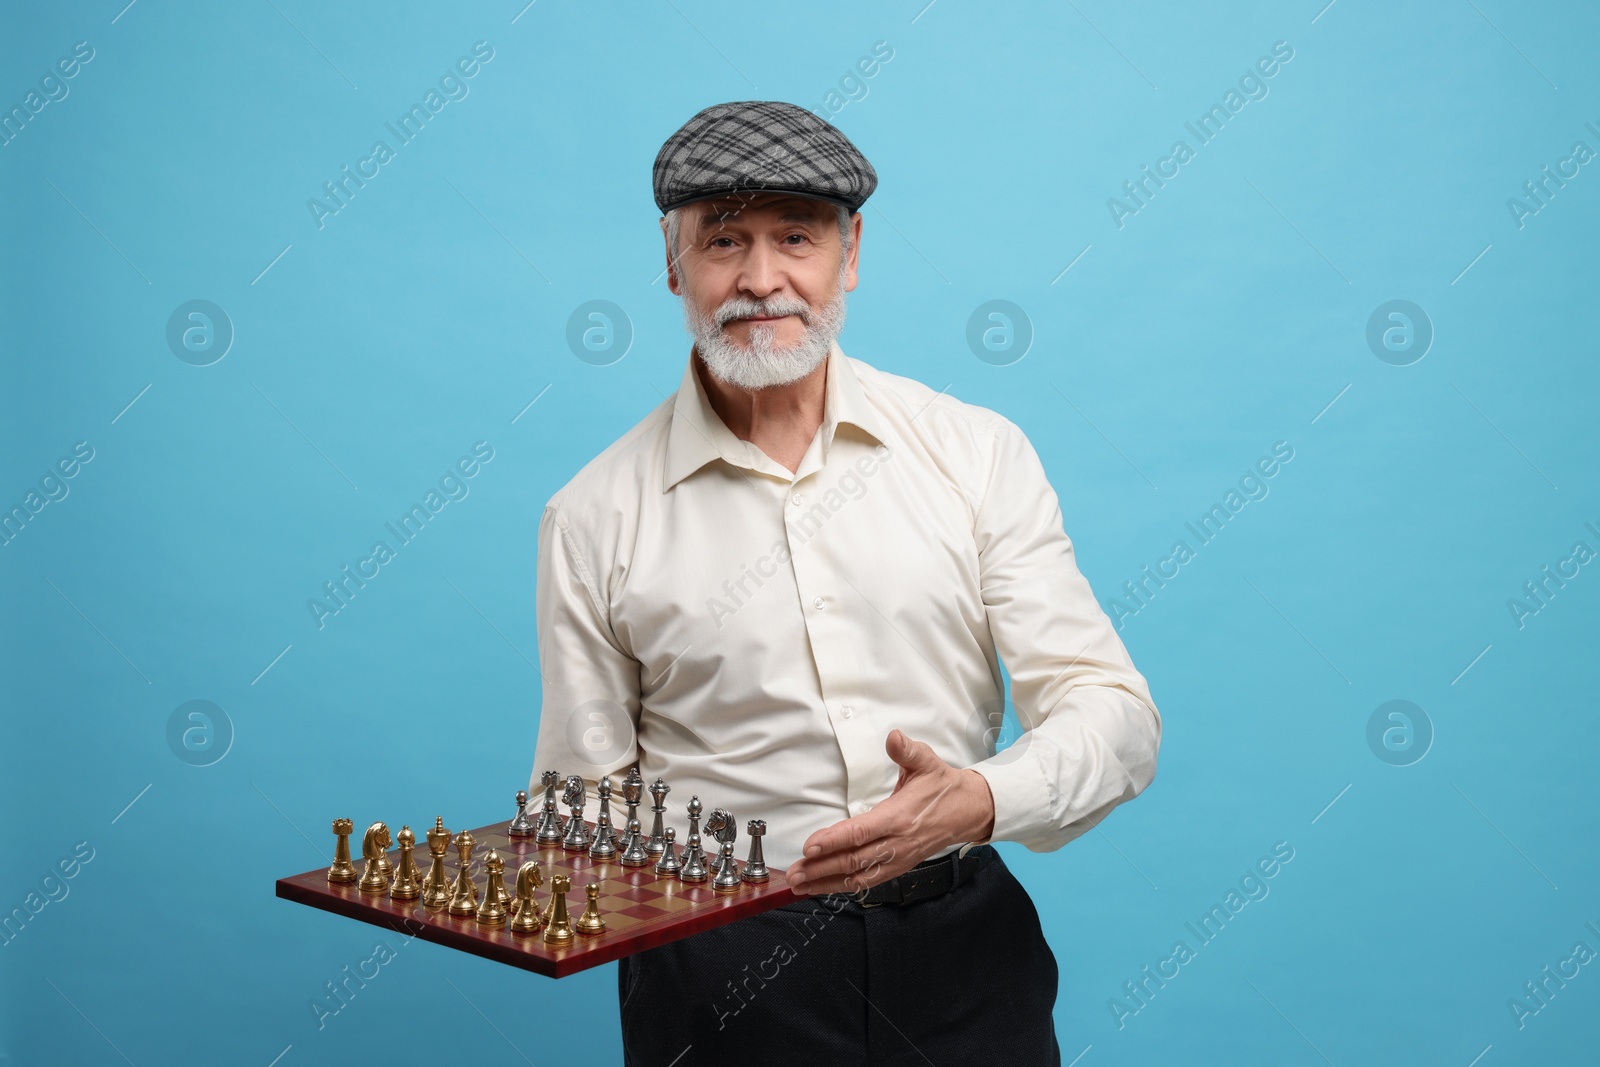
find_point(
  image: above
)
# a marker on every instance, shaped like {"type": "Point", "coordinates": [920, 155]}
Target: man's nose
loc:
{"type": "Point", "coordinates": [763, 274]}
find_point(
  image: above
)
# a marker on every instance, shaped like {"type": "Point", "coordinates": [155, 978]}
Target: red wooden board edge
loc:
{"type": "Point", "coordinates": [529, 953]}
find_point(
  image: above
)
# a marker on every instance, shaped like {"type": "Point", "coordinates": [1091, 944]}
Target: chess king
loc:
{"type": "Point", "coordinates": [788, 590]}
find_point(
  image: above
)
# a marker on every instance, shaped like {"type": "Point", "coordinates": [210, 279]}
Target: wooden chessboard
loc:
{"type": "Point", "coordinates": [641, 910]}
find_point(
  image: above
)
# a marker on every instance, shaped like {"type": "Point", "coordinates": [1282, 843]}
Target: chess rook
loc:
{"type": "Point", "coordinates": [342, 872]}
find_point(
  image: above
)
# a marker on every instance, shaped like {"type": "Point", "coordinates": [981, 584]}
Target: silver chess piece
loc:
{"type": "Point", "coordinates": [668, 866]}
{"type": "Point", "coordinates": [604, 845]}
{"type": "Point", "coordinates": [694, 860]}
{"type": "Point", "coordinates": [755, 868]}
{"type": "Point", "coordinates": [632, 793]}
{"type": "Point", "coordinates": [577, 837]}
{"type": "Point", "coordinates": [635, 854]}
{"type": "Point", "coordinates": [521, 826]}
{"type": "Point", "coordinates": [723, 829]}
{"type": "Point", "coordinates": [550, 828]}
{"type": "Point", "coordinates": [658, 838]}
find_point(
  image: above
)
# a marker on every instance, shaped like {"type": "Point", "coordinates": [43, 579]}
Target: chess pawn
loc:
{"type": "Point", "coordinates": [492, 912]}
{"type": "Point", "coordinates": [755, 868]}
{"type": "Point", "coordinates": [694, 860]}
{"type": "Point", "coordinates": [633, 793]}
{"type": "Point", "coordinates": [577, 836]}
{"type": "Point", "coordinates": [521, 826]}
{"type": "Point", "coordinates": [658, 837]}
{"type": "Point", "coordinates": [635, 855]}
{"type": "Point", "coordinates": [668, 866]}
{"type": "Point", "coordinates": [407, 884]}
{"type": "Point", "coordinates": [436, 886]}
{"type": "Point", "coordinates": [374, 846]}
{"type": "Point", "coordinates": [558, 931]}
{"type": "Point", "coordinates": [550, 829]}
{"type": "Point", "coordinates": [604, 845]}
{"type": "Point", "coordinates": [525, 910]}
{"type": "Point", "coordinates": [591, 922]}
{"type": "Point", "coordinates": [342, 872]}
{"type": "Point", "coordinates": [727, 880]}
{"type": "Point", "coordinates": [464, 898]}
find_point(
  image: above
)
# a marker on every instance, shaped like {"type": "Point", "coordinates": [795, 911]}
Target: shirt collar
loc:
{"type": "Point", "coordinates": [698, 435]}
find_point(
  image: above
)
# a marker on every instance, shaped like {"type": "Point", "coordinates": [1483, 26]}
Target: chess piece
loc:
{"type": "Point", "coordinates": [550, 828]}
{"type": "Point", "coordinates": [755, 868]}
{"type": "Point", "coordinates": [558, 930]}
{"type": "Point", "coordinates": [527, 918]}
{"type": "Point", "coordinates": [632, 793]}
{"type": "Point", "coordinates": [436, 886]}
{"type": "Point", "coordinates": [604, 845]}
{"type": "Point", "coordinates": [464, 898]}
{"type": "Point", "coordinates": [635, 855]}
{"type": "Point", "coordinates": [591, 922]}
{"type": "Point", "coordinates": [374, 845]}
{"type": "Point", "coordinates": [492, 912]}
{"type": "Point", "coordinates": [521, 826]}
{"type": "Point", "coordinates": [668, 866]}
{"type": "Point", "coordinates": [342, 872]}
{"type": "Point", "coordinates": [723, 829]}
{"type": "Point", "coordinates": [694, 860]}
{"type": "Point", "coordinates": [658, 837]}
{"type": "Point", "coordinates": [407, 884]}
{"type": "Point", "coordinates": [577, 836]}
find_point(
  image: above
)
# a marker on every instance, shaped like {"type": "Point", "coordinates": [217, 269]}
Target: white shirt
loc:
{"type": "Point", "coordinates": [752, 635]}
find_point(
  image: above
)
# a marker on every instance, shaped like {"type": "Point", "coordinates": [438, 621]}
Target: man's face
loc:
{"type": "Point", "coordinates": [763, 279]}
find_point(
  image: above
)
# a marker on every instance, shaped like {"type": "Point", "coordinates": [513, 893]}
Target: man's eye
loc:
{"type": "Point", "coordinates": [796, 238]}
{"type": "Point", "coordinates": [722, 242]}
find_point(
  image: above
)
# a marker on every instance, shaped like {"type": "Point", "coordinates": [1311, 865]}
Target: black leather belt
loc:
{"type": "Point", "coordinates": [930, 878]}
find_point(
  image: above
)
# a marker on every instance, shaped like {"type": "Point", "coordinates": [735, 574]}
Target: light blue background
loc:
{"type": "Point", "coordinates": [1227, 315]}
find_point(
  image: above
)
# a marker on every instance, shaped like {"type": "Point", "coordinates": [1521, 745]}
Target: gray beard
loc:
{"type": "Point", "coordinates": [764, 364]}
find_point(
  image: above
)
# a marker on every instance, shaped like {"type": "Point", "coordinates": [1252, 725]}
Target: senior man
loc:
{"type": "Point", "coordinates": [789, 590]}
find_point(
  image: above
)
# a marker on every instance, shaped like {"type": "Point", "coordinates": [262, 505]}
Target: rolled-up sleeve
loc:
{"type": "Point", "coordinates": [1090, 728]}
{"type": "Point", "coordinates": [589, 714]}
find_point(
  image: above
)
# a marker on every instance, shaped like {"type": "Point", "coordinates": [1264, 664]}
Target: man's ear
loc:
{"type": "Point", "coordinates": [672, 269]}
{"type": "Point", "coordinates": [854, 257]}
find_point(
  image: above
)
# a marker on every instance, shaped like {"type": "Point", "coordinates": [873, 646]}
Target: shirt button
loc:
{"type": "Point", "coordinates": [847, 711]}
{"type": "Point", "coordinates": [798, 500]}
{"type": "Point", "coordinates": [817, 603]}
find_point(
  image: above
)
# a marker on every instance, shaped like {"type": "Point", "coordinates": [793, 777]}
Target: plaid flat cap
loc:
{"type": "Point", "coordinates": [754, 146]}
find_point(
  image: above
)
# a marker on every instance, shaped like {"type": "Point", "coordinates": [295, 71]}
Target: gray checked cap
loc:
{"type": "Point", "coordinates": [754, 146]}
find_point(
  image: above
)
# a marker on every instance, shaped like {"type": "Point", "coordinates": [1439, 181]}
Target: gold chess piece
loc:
{"type": "Point", "coordinates": [343, 871]}
{"type": "Point", "coordinates": [374, 848]}
{"type": "Point", "coordinates": [407, 884]}
{"type": "Point", "coordinates": [590, 922]}
{"type": "Point", "coordinates": [492, 912]}
{"type": "Point", "coordinates": [558, 931]}
{"type": "Point", "coordinates": [464, 898]}
{"type": "Point", "coordinates": [528, 918]}
{"type": "Point", "coordinates": [436, 886]}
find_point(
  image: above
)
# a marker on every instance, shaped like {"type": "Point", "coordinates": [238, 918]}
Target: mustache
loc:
{"type": "Point", "coordinates": [742, 308]}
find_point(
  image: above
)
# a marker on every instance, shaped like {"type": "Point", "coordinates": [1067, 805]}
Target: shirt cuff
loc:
{"type": "Point", "coordinates": [1022, 802]}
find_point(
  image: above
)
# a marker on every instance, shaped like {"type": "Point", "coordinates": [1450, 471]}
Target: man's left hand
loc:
{"type": "Point", "coordinates": [933, 806]}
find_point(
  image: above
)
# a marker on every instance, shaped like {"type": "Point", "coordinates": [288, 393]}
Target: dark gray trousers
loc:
{"type": "Point", "coordinates": [825, 981]}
